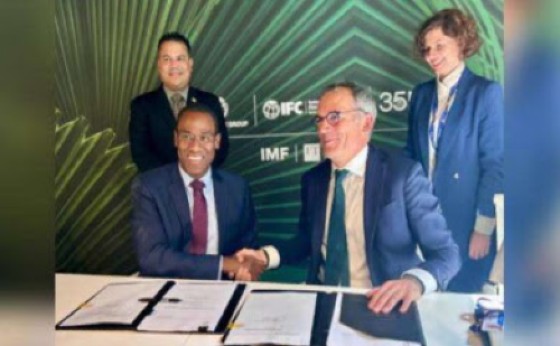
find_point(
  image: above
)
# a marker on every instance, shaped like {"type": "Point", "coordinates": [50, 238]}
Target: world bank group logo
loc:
{"type": "Point", "coordinates": [225, 105]}
{"type": "Point", "coordinates": [271, 109]}
{"type": "Point", "coordinates": [231, 123]}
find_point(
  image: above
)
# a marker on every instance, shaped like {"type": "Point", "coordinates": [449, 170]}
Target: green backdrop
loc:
{"type": "Point", "coordinates": [267, 59]}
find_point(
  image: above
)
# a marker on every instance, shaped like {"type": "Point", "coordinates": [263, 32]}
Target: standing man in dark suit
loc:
{"type": "Point", "coordinates": [188, 218]}
{"type": "Point", "coordinates": [154, 114]}
{"type": "Point", "coordinates": [365, 211]}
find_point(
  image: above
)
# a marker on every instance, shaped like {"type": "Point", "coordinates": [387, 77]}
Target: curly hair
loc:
{"type": "Point", "coordinates": [454, 23]}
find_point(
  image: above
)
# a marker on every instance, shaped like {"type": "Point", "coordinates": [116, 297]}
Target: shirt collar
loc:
{"type": "Point", "coordinates": [357, 165]}
{"type": "Point", "coordinates": [170, 93]}
{"type": "Point", "coordinates": [452, 78]}
{"type": "Point", "coordinates": [187, 179]}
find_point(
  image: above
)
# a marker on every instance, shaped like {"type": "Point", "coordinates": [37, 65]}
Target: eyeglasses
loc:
{"type": "Point", "coordinates": [333, 118]}
{"type": "Point", "coordinates": [205, 138]}
{"type": "Point", "coordinates": [167, 59]}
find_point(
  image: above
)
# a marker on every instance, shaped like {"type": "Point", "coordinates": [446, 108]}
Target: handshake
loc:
{"type": "Point", "coordinates": [245, 265]}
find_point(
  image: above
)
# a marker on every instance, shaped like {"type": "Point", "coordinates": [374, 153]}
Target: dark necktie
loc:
{"type": "Point", "coordinates": [336, 265]}
{"type": "Point", "coordinates": [199, 238]}
{"type": "Point", "coordinates": [177, 103]}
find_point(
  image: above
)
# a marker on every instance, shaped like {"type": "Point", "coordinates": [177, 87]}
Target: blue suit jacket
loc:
{"type": "Point", "coordinates": [469, 169]}
{"type": "Point", "coordinates": [400, 212]}
{"type": "Point", "coordinates": [162, 226]}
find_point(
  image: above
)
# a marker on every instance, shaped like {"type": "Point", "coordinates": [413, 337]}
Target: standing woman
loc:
{"type": "Point", "coordinates": [456, 132]}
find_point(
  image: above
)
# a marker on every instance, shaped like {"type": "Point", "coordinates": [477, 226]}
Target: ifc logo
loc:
{"type": "Point", "coordinates": [271, 109]}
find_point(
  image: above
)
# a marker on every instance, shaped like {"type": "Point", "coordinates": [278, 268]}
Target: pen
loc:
{"type": "Point", "coordinates": [169, 300]}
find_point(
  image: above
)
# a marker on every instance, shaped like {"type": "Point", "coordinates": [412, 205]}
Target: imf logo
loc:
{"type": "Point", "coordinates": [271, 109]}
{"type": "Point", "coordinates": [275, 153]}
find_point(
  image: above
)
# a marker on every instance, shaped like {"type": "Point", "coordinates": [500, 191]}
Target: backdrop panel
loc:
{"type": "Point", "coordinates": [267, 60]}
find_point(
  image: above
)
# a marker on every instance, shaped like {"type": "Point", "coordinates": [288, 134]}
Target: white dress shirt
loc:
{"type": "Point", "coordinates": [212, 247]}
{"type": "Point", "coordinates": [443, 89]}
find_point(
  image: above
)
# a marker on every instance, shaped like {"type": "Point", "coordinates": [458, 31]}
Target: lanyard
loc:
{"type": "Point", "coordinates": [434, 139]}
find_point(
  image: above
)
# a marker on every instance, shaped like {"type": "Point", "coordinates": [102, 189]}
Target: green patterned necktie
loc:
{"type": "Point", "coordinates": [177, 103]}
{"type": "Point", "coordinates": [336, 266]}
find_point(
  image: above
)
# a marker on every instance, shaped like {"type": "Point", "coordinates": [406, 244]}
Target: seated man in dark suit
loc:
{"type": "Point", "coordinates": [365, 211]}
{"type": "Point", "coordinates": [188, 218]}
{"type": "Point", "coordinates": [154, 114]}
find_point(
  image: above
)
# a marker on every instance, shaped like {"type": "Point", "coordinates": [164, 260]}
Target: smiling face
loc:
{"type": "Point", "coordinates": [174, 65]}
{"type": "Point", "coordinates": [344, 140]}
{"type": "Point", "coordinates": [196, 141]}
{"type": "Point", "coordinates": [442, 53]}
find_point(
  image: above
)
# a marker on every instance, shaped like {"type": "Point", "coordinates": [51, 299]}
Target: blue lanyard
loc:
{"type": "Point", "coordinates": [431, 135]}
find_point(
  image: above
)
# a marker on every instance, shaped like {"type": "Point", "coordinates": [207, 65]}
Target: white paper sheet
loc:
{"type": "Point", "coordinates": [189, 306]}
{"type": "Point", "coordinates": [281, 318]}
{"type": "Point", "coordinates": [117, 303]}
{"type": "Point", "coordinates": [340, 334]}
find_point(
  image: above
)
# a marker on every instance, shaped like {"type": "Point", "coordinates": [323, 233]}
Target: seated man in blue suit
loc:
{"type": "Point", "coordinates": [365, 211]}
{"type": "Point", "coordinates": [188, 218]}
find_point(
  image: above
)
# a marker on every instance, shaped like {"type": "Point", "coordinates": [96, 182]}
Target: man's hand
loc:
{"type": "Point", "coordinates": [253, 262]}
{"type": "Point", "coordinates": [231, 266]}
{"type": "Point", "coordinates": [245, 265]}
{"type": "Point", "coordinates": [479, 246]}
{"type": "Point", "coordinates": [384, 298]}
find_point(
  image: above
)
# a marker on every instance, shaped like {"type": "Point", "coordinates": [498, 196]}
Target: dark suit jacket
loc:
{"type": "Point", "coordinates": [152, 124]}
{"type": "Point", "coordinates": [399, 212]}
{"type": "Point", "coordinates": [162, 226]}
{"type": "Point", "coordinates": [469, 169]}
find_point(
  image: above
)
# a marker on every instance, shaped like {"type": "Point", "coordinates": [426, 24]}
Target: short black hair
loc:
{"type": "Point", "coordinates": [202, 108]}
{"type": "Point", "coordinates": [175, 36]}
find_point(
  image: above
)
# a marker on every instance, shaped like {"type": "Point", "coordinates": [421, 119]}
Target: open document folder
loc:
{"type": "Point", "coordinates": [158, 306]}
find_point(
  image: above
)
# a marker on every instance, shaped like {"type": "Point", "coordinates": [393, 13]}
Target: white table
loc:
{"type": "Point", "coordinates": [440, 314]}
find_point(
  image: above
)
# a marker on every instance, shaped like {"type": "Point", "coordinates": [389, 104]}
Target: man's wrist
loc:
{"type": "Point", "coordinates": [272, 255]}
{"type": "Point", "coordinates": [267, 256]}
{"type": "Point", "coordinates": [416, 280]}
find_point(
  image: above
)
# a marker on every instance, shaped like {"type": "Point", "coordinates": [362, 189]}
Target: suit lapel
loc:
{"type": "Point", "coordinates": [423, 122]}
{"type": "Point", "coordinates": [179, 197]}
{"type": "Point", "coordinates": [456, 116]}
{"type": "Point", "coordinates": [373, 196]}
{"type": "Point", "coordinates": [164, 108]}
{"type": "Point", "coordinates": [220, 191]}
{"type": "Point", "coordinates": [320, 190]}
{"type": "Point", "coordinates": [192, 97]}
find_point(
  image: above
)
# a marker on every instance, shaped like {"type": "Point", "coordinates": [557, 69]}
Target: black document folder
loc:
{"type": "Point", "coordinates": [394, 325]}
{"type": "Point", "coordinates": [139, 309]}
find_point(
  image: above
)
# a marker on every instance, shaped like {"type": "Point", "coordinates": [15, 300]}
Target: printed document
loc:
{"type": "Point", "coordinates": [190, 306]}
{"type": "Point", "coordinates": [116, 304]}
{"type": "Point", "coordinates": [280, 318]}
